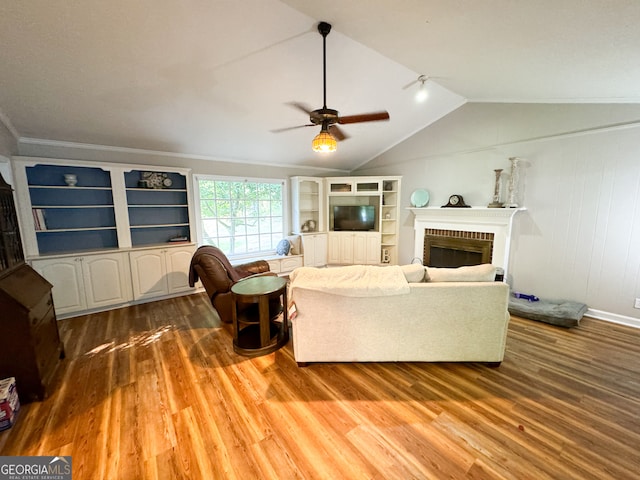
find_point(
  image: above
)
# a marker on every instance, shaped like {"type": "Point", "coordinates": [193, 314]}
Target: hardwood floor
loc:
{"type": "Point", "coordinates": [155, 391]}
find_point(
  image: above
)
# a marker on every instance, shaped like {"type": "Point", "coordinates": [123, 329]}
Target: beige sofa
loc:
{"type": "Point", "coordinates": [432, 321]}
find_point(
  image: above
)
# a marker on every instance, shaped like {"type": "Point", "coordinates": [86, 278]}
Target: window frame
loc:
{"type": "Point", "coordinates": [198, 209]}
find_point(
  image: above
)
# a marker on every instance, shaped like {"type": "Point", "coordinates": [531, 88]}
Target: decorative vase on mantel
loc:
{"type": "Point", "coordinates": [512, 199]}
{"type": "Point", "coordinates": [496, 203]}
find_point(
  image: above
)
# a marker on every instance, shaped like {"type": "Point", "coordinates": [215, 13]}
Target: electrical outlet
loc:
{"type": "Point", "coordinates": [637, 304]}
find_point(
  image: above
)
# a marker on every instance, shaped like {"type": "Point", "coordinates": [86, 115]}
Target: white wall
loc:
{"type": "Point", "coordinates": [580, 238]}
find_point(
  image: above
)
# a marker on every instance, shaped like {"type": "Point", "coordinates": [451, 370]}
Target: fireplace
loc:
{"type": "Point", "coordinates": [456, 248]}
{"type": "Point", "coordinates": [465, 236]}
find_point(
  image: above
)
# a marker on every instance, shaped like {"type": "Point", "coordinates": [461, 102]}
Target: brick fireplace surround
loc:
{"type": "Point", "coordinates": [476, 222]}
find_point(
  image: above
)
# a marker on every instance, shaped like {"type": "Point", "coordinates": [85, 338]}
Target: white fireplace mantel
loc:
{"type": "Point", "coordinates": [498, 221]}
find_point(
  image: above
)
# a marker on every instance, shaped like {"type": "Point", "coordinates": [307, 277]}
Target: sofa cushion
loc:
{"type": "Point", "coordinates": [473, 273]}
{"type": "Point", "coordinates": [564, 313]}
{"type": "Point", "coordinates": [414, 273]}
{"type": "Point", "coordinates": [294, 242]}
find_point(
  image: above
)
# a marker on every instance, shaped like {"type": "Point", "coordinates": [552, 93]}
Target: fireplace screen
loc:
{"type": "Point", "coordinates": [452, 248]}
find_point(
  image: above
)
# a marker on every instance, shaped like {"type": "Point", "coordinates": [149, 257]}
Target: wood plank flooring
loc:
{"type": "Point", "coordinates": [155, 391]}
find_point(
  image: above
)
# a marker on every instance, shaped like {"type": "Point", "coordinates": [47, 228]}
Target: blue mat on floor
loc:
{"type": "Point", "coordinates": [563, 313]}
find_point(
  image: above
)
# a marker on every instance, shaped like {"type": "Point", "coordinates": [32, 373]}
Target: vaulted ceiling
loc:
{"type": "Point", "coordinates": [213, 78]}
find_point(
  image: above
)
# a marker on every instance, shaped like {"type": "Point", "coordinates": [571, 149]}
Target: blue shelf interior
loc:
{"type": "Point", "coordinates": [155, 235]}
{"type": "Point", "coordinates": [156, 197]}
{"type": "Point", "coordinates": [76, 241]}
{"type": "Point", "coordinates": [47, 199]}
{"type": "Point", "coordinates": [158, 215]}
{"type": "Point", "coordinates": [63, 218]}
{"type": "Point", "coordinates": [152, 225]}
{"type": "Point", "coordinates": [69, 196]}
{"type": "Point", "coordinates": [53, 175]}
{"type": "Point", "coordinates": [132, 178]}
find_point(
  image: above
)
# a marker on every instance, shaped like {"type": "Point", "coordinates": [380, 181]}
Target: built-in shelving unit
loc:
{"type": "Point", "coordinates": [381, 192]}
{"type": "Point", "coordinates": [105, 234]}
{"type": "Point", "coordinates": [308, 218]}
{"type": "Point", "coordinates": [68, 218]}
{"type": "Point", "coordinates": [157, 215]}
{"type": "Point", "coordinates": [307, 195]}
{"type": "Point", "coordinates": [389, 211]}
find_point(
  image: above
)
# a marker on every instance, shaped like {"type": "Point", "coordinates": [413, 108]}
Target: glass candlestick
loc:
{"type": "Point", "coordinates": [512, 200]}
{"type": "Point", "coordinates": [496, 203]}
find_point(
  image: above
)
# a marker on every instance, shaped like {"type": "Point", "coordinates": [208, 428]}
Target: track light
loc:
{"type": "Point", "coordinates": [422, 94]}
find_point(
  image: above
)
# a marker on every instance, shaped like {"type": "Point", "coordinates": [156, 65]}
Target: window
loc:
{"type": "Point", "coordinates": [241, 217]}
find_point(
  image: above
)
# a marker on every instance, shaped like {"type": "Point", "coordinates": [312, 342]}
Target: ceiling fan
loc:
{"type": "Point", "coordinates": [328, 118]}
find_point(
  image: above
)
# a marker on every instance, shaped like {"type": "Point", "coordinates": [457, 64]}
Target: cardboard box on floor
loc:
{"type": "Point", "coordinates": [9, 403]}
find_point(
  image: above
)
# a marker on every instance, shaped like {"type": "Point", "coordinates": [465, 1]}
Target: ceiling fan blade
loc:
{"type": "Point", "coordinates": [338, 134]}
{"type": "Point", "coordinates": [278, 130]}
{"type": "Point", "coordinates": [301, 107]}
{"type": "Point", "coordinates": [364, 117]}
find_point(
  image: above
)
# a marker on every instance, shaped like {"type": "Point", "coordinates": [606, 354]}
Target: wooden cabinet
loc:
{"type": "Point", "coordinates": [314, 249]}
{"type": "Point", "coordinates": [88, 281]}
{"type": "Point", "coordinates": [161, 271]}
{"type": "Point", "coordinates": [361, 248]}
{"type": "Point", "coordinates": [11, 253]}
{"type": "Point", "coordinates": [30, 346]}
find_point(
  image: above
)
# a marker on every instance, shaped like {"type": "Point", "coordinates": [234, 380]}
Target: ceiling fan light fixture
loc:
{"type": "Point", "coordinates": [324, 142]}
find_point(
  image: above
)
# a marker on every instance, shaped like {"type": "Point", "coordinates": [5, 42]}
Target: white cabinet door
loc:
{"type": "Point", "coordinates": [359, 249]}
{"type": "Point", "coordinates": [354, 248]}
{"type": "Point", "coordinates": [160, 271]}
{"type": "Point", "coordinates": [178, 263]}
{"type": "Point", "coordinates": [346, 248]}
{"type": "Point", "coordinates": [314, 248]}
{"type": "Point", "coordinates": [106, 279]}
{"type": "Point", "coordinates": [148, 273]}
{"type": "Point", "coordinates": [333, 248]}
{"type": "Point", "coordinates": [372, 248]}
{"type": "Point", "coordinates": [65, 274]}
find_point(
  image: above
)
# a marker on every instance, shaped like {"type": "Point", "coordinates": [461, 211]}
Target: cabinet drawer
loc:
{"type": "Point", "coordinates": [41, 310]}
{"type": "Point", "coordinates": [274, 266]}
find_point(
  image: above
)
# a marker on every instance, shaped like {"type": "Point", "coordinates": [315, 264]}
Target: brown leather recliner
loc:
{"type": "Point", "coordinates": [212, 267]}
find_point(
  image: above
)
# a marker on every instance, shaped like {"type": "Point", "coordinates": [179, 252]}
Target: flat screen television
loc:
{"type": "Point", "coordinates": [354, 217]}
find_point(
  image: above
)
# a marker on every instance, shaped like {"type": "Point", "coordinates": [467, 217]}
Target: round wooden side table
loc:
{"type": "Point", "coordinates": [255, 333]}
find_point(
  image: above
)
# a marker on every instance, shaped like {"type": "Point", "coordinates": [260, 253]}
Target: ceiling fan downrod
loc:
{"type": "Point", "coordinates": [324, 28]}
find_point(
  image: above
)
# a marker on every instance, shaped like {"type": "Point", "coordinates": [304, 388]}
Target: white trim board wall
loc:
{"type": "Point", "coordinates": [577, 240]}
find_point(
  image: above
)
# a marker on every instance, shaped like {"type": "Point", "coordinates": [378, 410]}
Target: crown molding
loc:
{"type": "Point", "coordinates": [4, 119]}
{"type": "Point", "coordinates": [159, 153]}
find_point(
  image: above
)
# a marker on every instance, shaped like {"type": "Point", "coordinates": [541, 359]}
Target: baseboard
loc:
{"type": "Point", "coordinates": [613, 318]}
